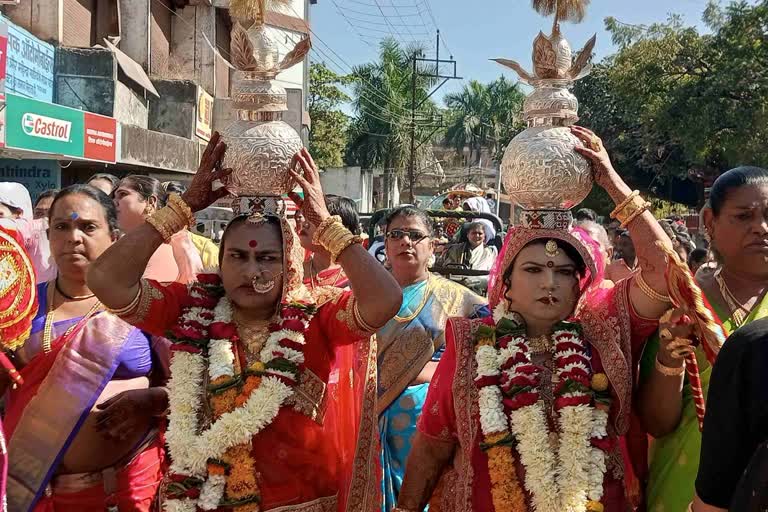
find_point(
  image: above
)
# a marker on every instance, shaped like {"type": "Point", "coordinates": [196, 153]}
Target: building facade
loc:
{"type": "Point", "coordinates": [122, 86]}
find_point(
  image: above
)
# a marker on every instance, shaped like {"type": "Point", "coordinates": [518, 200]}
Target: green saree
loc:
{"type": "Point", "coordinates": [674, 459]}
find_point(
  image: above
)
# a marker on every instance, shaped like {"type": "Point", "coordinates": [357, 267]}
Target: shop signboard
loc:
{"type": "Point", "coordinates": [204, 124]}
{"type": "Point", "coordinates": [37, 175]}
{"type": "Point", "coordinates": [29, 68]}
{"type": "Point", "coordinates": [38, 126]}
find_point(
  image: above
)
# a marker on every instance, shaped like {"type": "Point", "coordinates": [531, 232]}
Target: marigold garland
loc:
{"type": "Point", "coordinates": [567, 478]}
{"type": "Point", "coordinates": [216, 468]}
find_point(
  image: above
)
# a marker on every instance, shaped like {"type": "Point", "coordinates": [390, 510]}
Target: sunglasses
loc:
{"type": "Point", "coordinates": [414, 235]}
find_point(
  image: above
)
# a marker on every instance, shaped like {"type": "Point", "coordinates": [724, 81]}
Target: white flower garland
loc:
{"type": "Point", "coordinates": [561, 480]}
{"type": "Point", "coordinates": [190, 450]}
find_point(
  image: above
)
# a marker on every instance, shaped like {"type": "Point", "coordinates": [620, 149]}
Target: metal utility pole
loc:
{"type": "Point", "coordinates": [432, 121]}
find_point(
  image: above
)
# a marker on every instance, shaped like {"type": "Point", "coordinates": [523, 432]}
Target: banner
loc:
{"type": "Point", "coordinates": [33, 125]}
{"type": "Point", "coordinates": [37, 175]}
{"type": "Point", "coordinates": [29, 68]}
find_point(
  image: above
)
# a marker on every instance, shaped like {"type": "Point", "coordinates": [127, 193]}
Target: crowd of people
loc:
{"type": "Point", "coordinates": [289, 368]}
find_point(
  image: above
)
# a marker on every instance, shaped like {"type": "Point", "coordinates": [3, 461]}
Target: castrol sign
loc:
{"type": "Point", "coordinates": [59, 131]}
{"type": "Point", "coordinates": [44, 127]}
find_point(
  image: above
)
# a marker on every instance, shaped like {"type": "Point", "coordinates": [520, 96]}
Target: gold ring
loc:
{"type": "Point", "coordinates": [665, 334]}
{"type": "Point", "coordinates": [596, 144]}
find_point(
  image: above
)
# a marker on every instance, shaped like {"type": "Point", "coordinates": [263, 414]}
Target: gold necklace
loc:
{"type": "Point", "coordinates": [738, 311]}
{"type": "Point", "coordinates": [424, 299]}
{"type": "Point", "coordinates": [540, 345]}
{"type": "Point", "coordinates": [48, 328]}
{"type": "Point", "coordinates": [253, 335]}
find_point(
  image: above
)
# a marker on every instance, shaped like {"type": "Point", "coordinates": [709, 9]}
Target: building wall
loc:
{"type": "Point", "coordinates": [78, 22]}
{"type": "Point", "coordinates": [160, 36]}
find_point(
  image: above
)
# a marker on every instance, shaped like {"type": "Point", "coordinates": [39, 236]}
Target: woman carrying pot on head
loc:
{"type": "Point", "coordinates": [736, 291]}
{"type": "Point", "coordinates": [252, 425]}
{"type": "Point", "coordinates": [82, 429]}
{"type": "Point", "coordinates": [527, 410]}
{"type": "Point", "coordinates": [410, 345]}
{"type": "Point", "coordinates": [137, 198]}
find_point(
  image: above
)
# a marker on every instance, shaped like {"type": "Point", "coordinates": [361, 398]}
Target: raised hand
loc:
{"type": "Point", "coordinates": [313, 205]}
{"type": "Point", "coordinates": [201, 193]}
{"type": "Point", "coordinates": [594, 151]}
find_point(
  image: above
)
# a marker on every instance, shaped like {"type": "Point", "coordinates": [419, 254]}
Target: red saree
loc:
{"type": "Point", "coordinates": [451, 412]}
{"type": "Point", "coordinates": [319, 452]}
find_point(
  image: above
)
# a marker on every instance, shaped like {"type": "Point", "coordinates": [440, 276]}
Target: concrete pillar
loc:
{"type": "Point", "coordinates": [43, 18]}
{"type": "Point", "coordinates": [135, 30]}
{"type": "Point", "coordinates": [194, 58]}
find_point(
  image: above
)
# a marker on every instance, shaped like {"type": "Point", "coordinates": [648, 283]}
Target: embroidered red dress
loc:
{"type": "Point", "coordinates": [316, 453]}
{"type": "Point", "coordinates": [615, 335]}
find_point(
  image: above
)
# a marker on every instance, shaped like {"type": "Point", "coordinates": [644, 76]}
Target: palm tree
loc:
{"type": "Point", "coordinates": [484, 117]}
{"type": "Point", "coordinates": [380, 133]}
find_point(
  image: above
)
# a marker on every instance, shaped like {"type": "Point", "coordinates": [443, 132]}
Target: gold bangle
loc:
{"type": "Point", "coordinates": [130, 307]}
{"type": "Point", "coordinates": [633, 211]}
{"type": "Point", "coordinates": [320, 232]}
{"type": "Point", "coordinates": [167, 222]}
{"type": "Point", "coordinates": [624, 203]}
{"type": "Point", "coordinates": [359, 320]}
{"type": "Point", "coordinates": [182, 208]}
{"type": "Point", "coordinates": [668, 371]}
{"type": "Point", "coordinates": [629, 209]}
{"type": "Point", "coordinates": [650, 292]}
{"type": "Point", "coordinates": [344, 245]}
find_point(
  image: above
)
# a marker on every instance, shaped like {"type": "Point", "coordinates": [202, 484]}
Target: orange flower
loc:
{"type": "Point", "coordinates": [223, 402]}
{"type": "Point", "coordinates": [505, 488]}
{"type": "Point", "coordinates": [251, 383]}
{"type": "Point", "coordinates": [241, 482]}
{"type": "Point", "coordinates": [215, 469]}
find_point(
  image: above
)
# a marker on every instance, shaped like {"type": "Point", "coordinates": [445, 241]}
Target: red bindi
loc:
{"type": "Point", "coordinates": [253, 243]}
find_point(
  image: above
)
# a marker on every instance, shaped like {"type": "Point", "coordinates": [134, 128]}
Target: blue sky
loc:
{"type": "Point", "coordinates": [474, 30]}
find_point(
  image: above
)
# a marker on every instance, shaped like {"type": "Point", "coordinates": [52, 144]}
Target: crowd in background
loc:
{"type": "Point", "coordinates": [734, 282]}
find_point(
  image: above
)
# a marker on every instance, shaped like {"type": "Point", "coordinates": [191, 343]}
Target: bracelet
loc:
{"type": "Point", "coordinates": [624, 203]}
{"type": "Point", "coordinates": [182, 208]}
{"type": "Point", "coordinates": [668, 371]}
{"type": "Point", "coordinates": [167, 221]}
{"type": "Point", "coordinates": [361, 323]}
{"type": "Point", "coordinates": [323, 227]}
{"type": "Point", "coordinates": [334, 237]}
{"type": "Point", "coordinates": [130, 307]}
{"type": "Point", "coordinates": [650, 292]}
{"type": "Point", "coordinates": [630, 209]}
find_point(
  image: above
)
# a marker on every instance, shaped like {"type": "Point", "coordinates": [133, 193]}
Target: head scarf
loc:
{"type": "Point", "coordinates": [480, 205]}
{"type": "Point", "coordinates": [519, 237]}
{"type": "Point", "coordinates": [16, 195]}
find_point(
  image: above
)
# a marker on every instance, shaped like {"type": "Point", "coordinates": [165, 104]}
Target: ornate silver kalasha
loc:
{"type": "Point", "coordinates": [540, 170]}
{"type": "Point", "coordinates": [260, 145]}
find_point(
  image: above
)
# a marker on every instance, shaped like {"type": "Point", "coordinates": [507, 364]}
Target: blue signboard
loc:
{"type": "Point", "coordinates": [29, 70]}
{"type": "Point", "coordinates": [37, 175]}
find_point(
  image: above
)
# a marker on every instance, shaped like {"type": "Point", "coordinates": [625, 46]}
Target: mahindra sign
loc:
{"type": "Point", "coordinates": [44, 127]}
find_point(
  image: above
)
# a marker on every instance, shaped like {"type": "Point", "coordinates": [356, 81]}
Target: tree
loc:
{"type": "Point", "coordinates": [672, 102]}
{"type": "Point", "coordinates": [380, 134]}
{"type": "Point", "coordinates": [484, 117]}
{"type": "Point", "coordinates": [328, 136]}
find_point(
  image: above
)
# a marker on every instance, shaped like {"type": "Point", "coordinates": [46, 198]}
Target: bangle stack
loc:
{"type": "Point", "coordinates": [334, 237]}
{"type": "Point", "coordinates": [171, 219]}
{"type": "Point", "coordinates": [630, 209]}
{"type": "Point", "coordinates": [650, 292]}
{"type": "Point", "coordinates": [669, 371]}
{"type": "Point", "coordinates": [129, 309]}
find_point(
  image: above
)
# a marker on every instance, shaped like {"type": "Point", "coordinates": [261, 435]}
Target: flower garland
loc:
{"type": "Point", "coordinates": [214, 468]}
{"type": "Point", "coordinates": [570, 477]}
